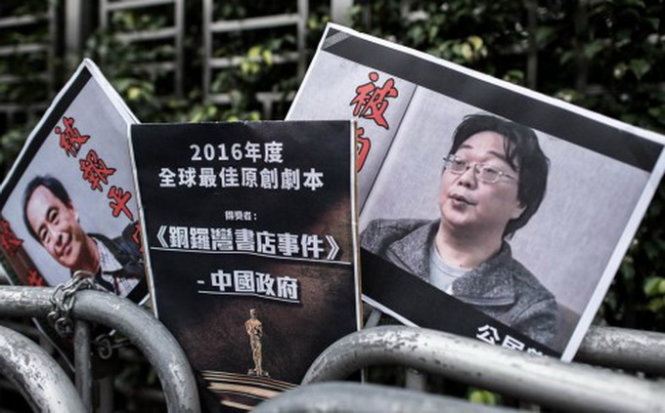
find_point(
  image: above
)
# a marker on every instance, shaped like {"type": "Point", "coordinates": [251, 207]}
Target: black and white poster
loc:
{"type": "Point", "coordinates": [68, 203]}
{"type": "Point", "coordinates": [487, 209]}
{"type": "Point", "coordinates": [251, 246]}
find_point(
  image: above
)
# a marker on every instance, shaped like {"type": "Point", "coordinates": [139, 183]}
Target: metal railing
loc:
{"type": "Point", "coordinates": [172, 34]}
{"type": "Point", "coordinates": [140, 327]}
{"type": "Point", "coordinates": [351, 397]}
{"type": "Point", "coordinates": [41, 50]}
{"type": "Point", "coordinates": [213, 28]}
{"type": "Point", "coordinates": [43, 383]}
{"type": "Point", "coordinates": [543, 380]}
{"type": "Point", "coordinates": [624, 348]}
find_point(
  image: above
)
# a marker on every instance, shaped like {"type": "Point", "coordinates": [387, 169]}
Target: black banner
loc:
{"type": "Point", "coordinates": [425, 306]}
{"type": "Point", "coordinates": [250, 224]}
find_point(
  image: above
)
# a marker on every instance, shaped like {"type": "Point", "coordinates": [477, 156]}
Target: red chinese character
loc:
{"type": "Point", "coordinates": [120, 197]}
{"type": "Point", "coordinates": [95, 170]}
{"type": "Point", "coordinates": [70, 138]}
{"type": "Point", "coordinates": [136, 236]}
{"type": "Point", "coordinates": [35, 279]}
{"type": "Point", "coordinates": [363, 145]}
{"type": "Point", "coordinates": [371, 100]}
{"type": "Point", "coordinates": [8, 240]}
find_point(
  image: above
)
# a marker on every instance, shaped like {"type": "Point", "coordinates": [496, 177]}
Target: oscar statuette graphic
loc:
{"type": "Point", "coordinates": [255, 331]}
{"type": "Point", "coordinates": [244, 391]}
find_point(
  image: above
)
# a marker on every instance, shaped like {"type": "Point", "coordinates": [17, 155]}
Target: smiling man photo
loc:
{"type": "Point", "coordinates": [493, 181]}
{"type": "Point", "coordinates": [52, 219]}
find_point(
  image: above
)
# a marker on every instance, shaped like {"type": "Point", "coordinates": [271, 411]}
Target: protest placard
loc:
{"type": "Point", "coordinates": [487, 209]}
{"type": "Point", "coordinates": [68, 203]}
{"type": "Point", "coordinates": [251, 247]}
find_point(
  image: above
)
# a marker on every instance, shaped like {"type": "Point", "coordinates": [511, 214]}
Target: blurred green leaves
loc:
{"type": "Point", "coordinates": [479, 396]}
{"type": "Point", "coordinates": [607, 56]}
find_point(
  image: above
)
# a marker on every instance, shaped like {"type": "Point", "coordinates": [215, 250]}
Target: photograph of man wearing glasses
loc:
{"type": "Point", "coordinates": [493, 181]}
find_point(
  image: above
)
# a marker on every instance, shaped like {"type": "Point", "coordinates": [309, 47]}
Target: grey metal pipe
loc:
{"type": "Point", "coordinates": [37, 376]}
{"type": "Point", "coordinates": [624, 349]}
{"type": "Point", "coordinates": [139, 326]}
{"type": "Point", "coordinates": [105, 395]}
{"type": "Point", "coordinates": [355, 397]}
{"type": "Point", "coordinates": [544, 380]}
{"type": "Point", "coordinates": [82, 362]}
{"type": "Point", "coordinates": [415, 380]}
{"type": "Point", "coordinates": [620, 348]}
{"type": "Point", "coordinates": [373, 319]}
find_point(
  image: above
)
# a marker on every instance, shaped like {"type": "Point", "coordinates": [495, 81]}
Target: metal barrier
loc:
{"type": "Point", "coordinates": [353, 397]}
{"type": "Point", "coordinates": [139, 326]}
{"type": "Point", "coordinates": [619, 348]}
{"type": "Point", "coordinates": [39, 378]}
{"type": "Point", "coordinates": [543, 380]}
{"type": "Point", "coordinates": [251, 25]}
{"type": "Point", "coordinates": [540, 379]}
{"type": "Point", "coordinates": [172, 34]}
{"type": "Point", "coordinates": [624, 348]}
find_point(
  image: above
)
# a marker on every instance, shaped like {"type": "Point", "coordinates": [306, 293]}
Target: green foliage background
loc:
{"type": "Point", "coordinates": [607, 56]}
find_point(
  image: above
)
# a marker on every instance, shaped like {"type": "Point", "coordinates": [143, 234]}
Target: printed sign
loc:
{"type": "Point", "coordinates": [251, 247]}
{"type": "Point", "coordinates": [68, 204]}
{"type": "Point", "coordinates": [487, 209]}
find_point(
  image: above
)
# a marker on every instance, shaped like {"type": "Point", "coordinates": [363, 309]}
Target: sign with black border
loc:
{"type": "Point", "coordinates": [600, 178]}
{"type": "Point", "coordinates": [69, 203]}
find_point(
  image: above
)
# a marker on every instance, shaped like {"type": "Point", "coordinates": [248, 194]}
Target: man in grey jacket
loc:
{"type": "Point", "coordinates": [493, 181]}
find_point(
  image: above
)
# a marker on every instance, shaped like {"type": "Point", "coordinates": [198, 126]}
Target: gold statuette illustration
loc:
{"type": "Point", "coordinates": [255, 331]}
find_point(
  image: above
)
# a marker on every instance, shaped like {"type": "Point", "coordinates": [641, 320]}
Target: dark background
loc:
{"type": "Point", "coordinates": [211, 327]}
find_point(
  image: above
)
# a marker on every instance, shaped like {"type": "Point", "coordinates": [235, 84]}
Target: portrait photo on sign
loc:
{"type": "Point", "coordinates": [69, 199]}
{"type": "Point", "coordinates": [487, 209]}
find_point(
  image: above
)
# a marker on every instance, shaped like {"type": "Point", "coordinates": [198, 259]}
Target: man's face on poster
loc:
{"type": "Point", "coordinates": [56, 226]}
{"type": "Point", "coordinates": [468, 203]}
